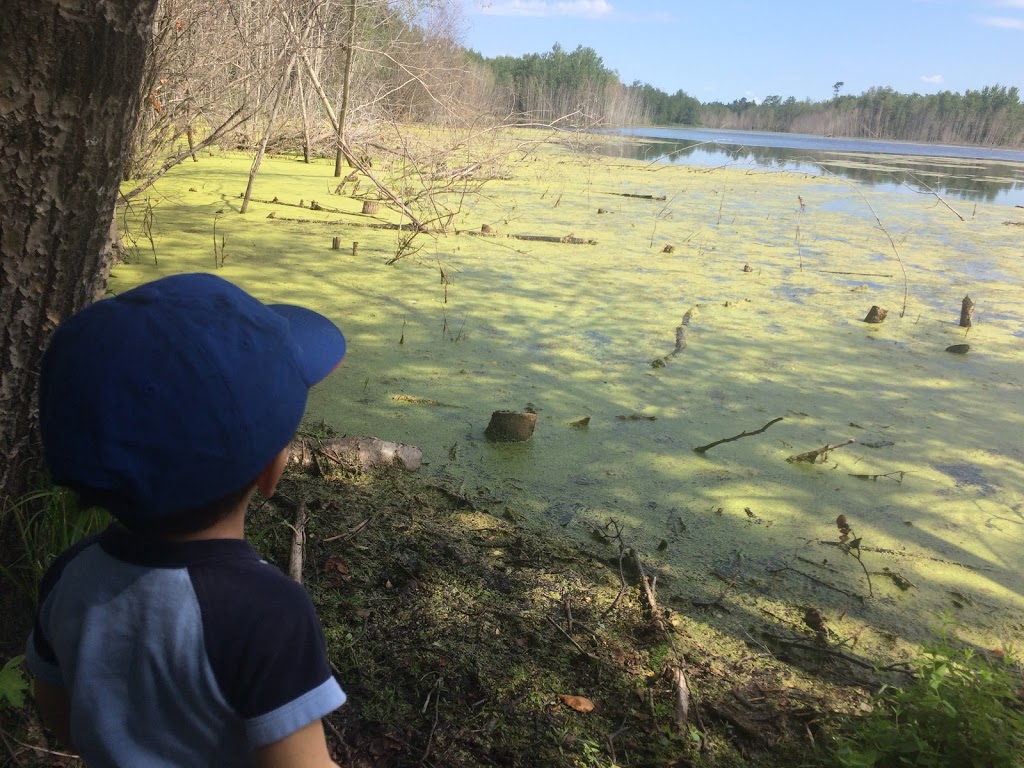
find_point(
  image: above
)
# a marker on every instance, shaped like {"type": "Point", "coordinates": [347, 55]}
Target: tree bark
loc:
{"type": "Point", "coordinates": [70, 72]}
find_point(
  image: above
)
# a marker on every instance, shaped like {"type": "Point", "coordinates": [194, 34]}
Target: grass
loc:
{"type": "Point", "coordinates": [456, 632]}
{"type": "Point", "coordinates": [46, 522]}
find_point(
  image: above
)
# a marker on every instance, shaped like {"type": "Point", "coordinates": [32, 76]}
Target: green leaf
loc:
{"type": "Point", "coordinates": [13, 683]}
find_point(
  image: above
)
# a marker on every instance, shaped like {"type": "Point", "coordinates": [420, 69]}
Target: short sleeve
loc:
{"type": "Point", "coordinates": [266, 649]}
{"type": "Point", "coordinates": [39, 653]}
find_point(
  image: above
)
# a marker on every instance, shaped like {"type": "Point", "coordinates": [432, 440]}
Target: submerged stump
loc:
{"type": "Point", "coordinates": [511, 426]}
{"type": "Point", "coordinates": [876, 315]}
{"type": "Point", "coordinates": [966, 312]}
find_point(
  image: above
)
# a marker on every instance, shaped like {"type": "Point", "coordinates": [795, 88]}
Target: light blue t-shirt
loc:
{"type": "Point", "coordinates": [178, 653]}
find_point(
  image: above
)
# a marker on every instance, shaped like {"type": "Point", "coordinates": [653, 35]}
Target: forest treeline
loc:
{"type": "Point", "coordinates": [325, 74]}
{"type": "Point", "coordinates": [557, 83]}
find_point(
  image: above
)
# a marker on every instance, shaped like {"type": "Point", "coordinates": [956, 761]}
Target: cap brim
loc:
{"type": "Point", "coordinates": [321, 343]}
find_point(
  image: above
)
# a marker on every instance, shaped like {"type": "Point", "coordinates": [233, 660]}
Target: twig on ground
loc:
{"type": "Point", "coordinates": [41, 750]}
{"type": "Point", "coordinates": [622, 576]}
{"type": "Point", "coordinates": [709, 446]}
{"type": "Point", "coordinates": [811, 457]}
{"type": "Point", "coordinates": [350, 533]}
{"type": "Point", "coordinates": [816, 580]}
{"type": "Point", "coordinates": [298, 543]}
{"type": "Point", "coordinates": [436, 692]}
{"type": "Point", "coordinates": [572, 640]}
{"type": "Point", "coordinates": [900, 666]}
{"type": "Point", "coordinates": [10, 751]}
{"type": "Point", "coordinates": [648, 590]}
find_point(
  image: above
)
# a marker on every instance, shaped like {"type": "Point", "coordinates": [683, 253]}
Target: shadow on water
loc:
{"type": "Point", "coordinates": [967, 179]}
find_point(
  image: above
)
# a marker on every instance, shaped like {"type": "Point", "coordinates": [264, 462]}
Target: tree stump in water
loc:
{"type": "Point", "coordinates": [966, 312]}
{"type": "Point", "coordinates": [876, 315]}
{"type": "Point", "coordinates": [511, 426]}
{"type": "Point", "coordinates": [370, 206]}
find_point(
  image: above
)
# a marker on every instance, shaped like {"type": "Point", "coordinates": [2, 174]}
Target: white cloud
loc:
{"type": "Point", "coordinates": [587, 9]}
{"type": "Point", "coordinates": [932, 79]}
{"type": "Point", "coordinates": [1003, 22]}
{"type": "Point", "coordinates": [1010, 4]}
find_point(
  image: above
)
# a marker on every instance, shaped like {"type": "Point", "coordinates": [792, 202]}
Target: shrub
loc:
{"type": "Point", "coordinates": [962, 710]}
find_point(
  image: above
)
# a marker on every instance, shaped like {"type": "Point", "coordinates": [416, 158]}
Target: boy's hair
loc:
{"type": "Point", "coordinates": [170, 398]}
{"type": "Point", "coordinates": [179, 524]}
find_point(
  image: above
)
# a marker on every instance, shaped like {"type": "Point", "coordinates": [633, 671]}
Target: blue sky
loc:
{"type": "Point", "coordinates": [728, 49]}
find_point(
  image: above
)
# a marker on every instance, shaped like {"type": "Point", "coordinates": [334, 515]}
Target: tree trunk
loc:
{"type": "Point", "coordinates": [266, 135]}
{"type": "Point", "coordinates": [70, 74]}
{"type": "Point", "coordinates": [350, 53]}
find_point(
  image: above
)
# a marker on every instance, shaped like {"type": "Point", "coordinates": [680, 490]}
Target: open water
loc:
{"type": "Point", "coordinates": [970, 173]}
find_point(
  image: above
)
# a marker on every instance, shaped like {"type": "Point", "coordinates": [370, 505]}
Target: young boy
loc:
{"type": "Point", "coordinates": [165, 640]}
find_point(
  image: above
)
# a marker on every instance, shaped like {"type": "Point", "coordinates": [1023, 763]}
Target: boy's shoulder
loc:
{"type": "Point", "coordinates": [257, 628]}
{"type": "Point", "coordinates": [228, 578]}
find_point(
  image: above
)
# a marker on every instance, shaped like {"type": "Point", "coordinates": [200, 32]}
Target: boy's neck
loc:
{"type": "Point", "coordinates": [230, 527]}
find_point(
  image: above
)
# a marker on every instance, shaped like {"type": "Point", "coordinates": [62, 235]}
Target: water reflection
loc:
{"type": "Point", "coordinates": [957, 178]}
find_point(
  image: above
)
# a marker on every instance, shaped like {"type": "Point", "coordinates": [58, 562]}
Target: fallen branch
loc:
{"type": "Point", "coordinates": [298, 543]}
{"type": "Point", "coordinates": [682, 701]}
{"type": "Point", "coordinates": [889, 475]}
{"type": "Point", "coordinates": [648, 590]}
{"type": "Point", "coordinates": [900, 666]}
{"type": "Point", "coordinates": [878, 221]}
{"type": "Point", "coordinates": [365, 453]}
{"type": "Point", "coordinates": [639, 197]}
{"type": "Point", "coordinates": [565, 239]}
{"type": "Point", "coordinates": [740, 721]}
{"type": "Point", "coordinates": [858, 274]}
{"type": "Point", "coordinates": [709, 446]}
{"type": "Point", "coordinates": [897, 553]}
{"type": "Point", "coordinates": [816, 580]}
{"type": "Point", "coordinates": [810, 457]}
{"type": "Point", "coordinates": [933, 192]}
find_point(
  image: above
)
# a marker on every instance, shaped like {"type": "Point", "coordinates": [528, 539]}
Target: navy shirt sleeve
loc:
{"type": "Point", "coordinates": [262, 636]}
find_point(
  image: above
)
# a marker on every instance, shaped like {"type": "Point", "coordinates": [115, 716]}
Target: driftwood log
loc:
{"type": "Point", "coordinates": [511, 426]}
{"type": "Point", "coordinates": [365, 453]}
{"type": "Point", "coordinates": [966, 312]}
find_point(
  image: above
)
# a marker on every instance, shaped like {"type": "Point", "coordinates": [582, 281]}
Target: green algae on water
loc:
{"type": "Point", "coordinates": [931, 485]}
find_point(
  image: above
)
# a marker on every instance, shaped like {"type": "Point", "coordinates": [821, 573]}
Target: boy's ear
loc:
{"type": "Point", "coordinates": [267, 480]}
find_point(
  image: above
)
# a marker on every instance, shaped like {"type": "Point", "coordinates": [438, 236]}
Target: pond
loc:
{"type": "Point", "coordinates": [964, 173]}
{"type": "Point", "coordinates": [775, 270]}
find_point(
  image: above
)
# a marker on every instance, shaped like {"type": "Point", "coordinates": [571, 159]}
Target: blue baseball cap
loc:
{"type": "Point", "coordinates": [178, 392]}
